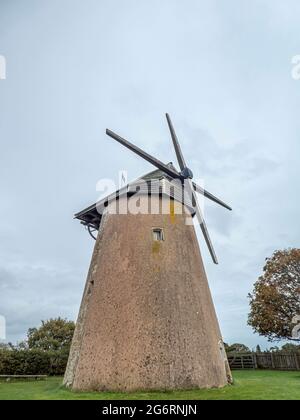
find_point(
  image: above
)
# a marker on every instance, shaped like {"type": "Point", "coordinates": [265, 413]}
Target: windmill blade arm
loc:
{"type": "Point", "coordinates": [210, 196]}
{"type": "Point", "coordinates": [176, 144]}
{"type": "Point", "coordinates": [157, 163]}
{"type": "Point", "coordinates": [189, 186]}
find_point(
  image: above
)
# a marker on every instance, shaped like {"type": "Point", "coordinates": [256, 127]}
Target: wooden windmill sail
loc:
{"type": "Point", "coordinates": [147, 319]}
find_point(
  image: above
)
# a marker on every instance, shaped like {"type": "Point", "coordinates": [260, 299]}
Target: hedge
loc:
{"type": "Point", "coordinates": [32, 362]}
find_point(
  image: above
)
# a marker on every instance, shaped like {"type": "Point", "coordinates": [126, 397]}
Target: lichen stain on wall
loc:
{"type": "Point", "coordinates": [155, 247]}
{"type": "Point", "coordinates": [172, 212]}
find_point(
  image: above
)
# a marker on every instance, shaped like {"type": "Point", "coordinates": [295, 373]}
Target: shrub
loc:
{"type": "Point", "coordinates": [32, 362]}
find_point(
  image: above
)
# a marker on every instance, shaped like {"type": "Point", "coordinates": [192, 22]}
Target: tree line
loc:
{"type": "Point", "coordinates": [242, 348]}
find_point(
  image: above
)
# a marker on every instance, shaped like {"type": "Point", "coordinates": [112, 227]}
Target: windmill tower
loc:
{"type": "Point", "coordinates": [147, 319]}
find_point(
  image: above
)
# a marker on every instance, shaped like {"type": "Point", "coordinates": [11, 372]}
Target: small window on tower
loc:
{"type": "Point", "coordinates": [158, 234]}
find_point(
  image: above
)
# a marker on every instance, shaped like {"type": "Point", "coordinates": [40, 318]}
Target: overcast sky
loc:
{"type": "Point", "coordinates": [222, 69]}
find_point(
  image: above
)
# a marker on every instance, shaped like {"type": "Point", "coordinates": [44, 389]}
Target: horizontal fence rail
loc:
{"type": "Point", "coordinates": [275, 361]}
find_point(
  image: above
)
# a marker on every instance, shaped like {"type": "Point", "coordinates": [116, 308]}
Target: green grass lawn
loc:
{"type": "Point", "coordinates": [248, 385]}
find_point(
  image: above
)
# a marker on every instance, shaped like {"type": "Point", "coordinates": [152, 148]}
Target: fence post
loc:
{"type": "Point", "coordinates": [297, 361]}
{"type": "Point", "coordinates": [273, 361]}
{"type": "Point", "coordinates": [255, 361]}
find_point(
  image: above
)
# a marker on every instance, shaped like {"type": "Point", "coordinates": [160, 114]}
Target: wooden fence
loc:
{"type": "Point", "coordinates": [275, 361]}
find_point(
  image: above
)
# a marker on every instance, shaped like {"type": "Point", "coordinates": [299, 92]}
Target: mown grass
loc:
{"type": "Point", "coordinates": [248, 385]}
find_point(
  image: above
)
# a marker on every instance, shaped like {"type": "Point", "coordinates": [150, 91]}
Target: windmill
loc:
{"type": "Point", "coordinates": [147, 319]}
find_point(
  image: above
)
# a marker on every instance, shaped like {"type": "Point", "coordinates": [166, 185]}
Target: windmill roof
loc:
{"type": "Point", "coordinates": [92, 214]}
{"type": "Point", "coordinates": [157, 174]}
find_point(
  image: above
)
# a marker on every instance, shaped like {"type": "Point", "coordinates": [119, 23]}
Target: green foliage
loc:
{"type": "Point", "coordinates": [3, 346]}
{"type": "Point", "coordinates": [52, 335]}
{"type": "Point", "coordinates": [290, 348]}
{"type": "Point", "coordinates": [237, 348]}
{"type": "Point", "coordinates": [45, 352]}
{"type": "Point", "coordinates": [274, 349]}
{"type": "Point", "coordinates": [32, 362]}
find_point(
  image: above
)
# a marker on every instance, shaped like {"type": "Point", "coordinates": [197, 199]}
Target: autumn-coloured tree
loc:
{"type": "Point", "coordinates": [275, 301]}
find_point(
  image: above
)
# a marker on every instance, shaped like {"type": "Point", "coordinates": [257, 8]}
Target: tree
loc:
{"type": "Point", "coordinates": [275, 300]}
{"type": "Point", "coordinates": [290, 348]}
{"type": "Point", "coordinates": [238, 348]}
{"type": "Point", "coordinates": [54, 334]}
{"type": "Point", "coordinates": [4, 346]}
{"type": "Point", "coordinates": [258, 349]}
{"type": "Point", "coordinates": [274, 349]}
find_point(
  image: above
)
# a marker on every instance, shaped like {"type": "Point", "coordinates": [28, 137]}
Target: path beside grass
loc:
{"type": "Point", "coordinates": [249, 385]}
